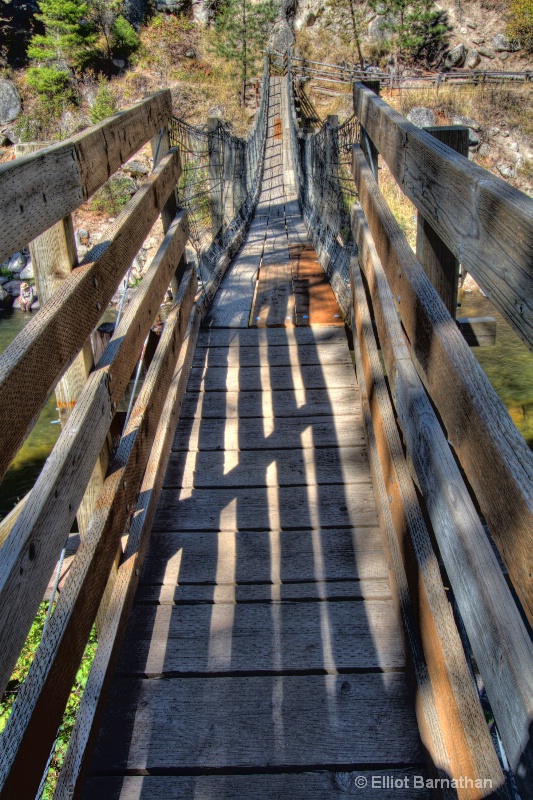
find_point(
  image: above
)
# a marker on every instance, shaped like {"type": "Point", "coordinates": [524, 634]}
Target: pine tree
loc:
{"type": "Point", "coordinates": [241, 32]}
{"type": "Point", "coordinates": [116, 34]}
{"type": "Point", "coordinates": [349, 17]}
{"type": "Point", "coordinates": [68, 40]}
{"type": "Point", "coordinates": [416, 27]}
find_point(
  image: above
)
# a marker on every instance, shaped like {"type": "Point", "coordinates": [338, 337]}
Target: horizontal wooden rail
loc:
{"type": "Point", "coordinates": [451, 719]}
{"type": "Point", "coordinates": [484, 221]}
{"type": "Point", "coordinates": [114, 628]}
{"type": "Point", "coordinates": [40, 189]}
{"type": "Point", "coordinates": [35, 541]}
{"type": "Point", "coordinates": [493, 454]}
{"type": "Point", "coordinates": [33, 363]}
{"type": "Point", "coordinates": [497, 634]}
{"type": "Point", "coordinates": [32, 727]}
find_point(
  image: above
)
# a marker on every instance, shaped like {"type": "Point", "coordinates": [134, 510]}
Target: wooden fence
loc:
{"type": "Point", "coordinates": [441, 397]}
{"type": "Point", "coordinates": [39, 193]}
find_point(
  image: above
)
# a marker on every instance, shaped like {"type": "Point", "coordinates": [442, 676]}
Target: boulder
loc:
{"type": "Point", "coordinates": [190, 53]}
{"type": "Point", "coordinates": [423, 117]}
{"type": "Point", "coordinates": [486, 52]}
{"type": "Point", "coordinates": [136, 169]}
{"type": "Point", "coordinates": [310, 20]}
{"type": "Point", "coordinates": [16, 263]}
{"type": "Point", "coordinates": [456, 56]}
{"type": "Point", "coordinates": [506, 171]}
{"type": "Point", "coordinates": [27, 273]}
{"type": "Point", "coordinates": [3, 280]}
{"type": "Point", "coordinates": [13, 287]}
{"type": "Point", "coordinates": [5, 298]}
{"type": "Point", "coordinates": [467, 122]}
{"type": "Point", "coordinates": [479, 40]}
{"type": "Point", "coordinates": [472, 59]}
{"type": "Point", "coordinates": [504, 56]}
{"type": "Point", "coordinates": [502, 44]}
{"type": "Point", "coordinates": [484, 150]}
{"type": "Point", "coordinates": [10, 106]}
{"type": "Point", "coordinates": [83, 236]}
{"type": "Point", "coordinates": [471, 25]}
{"type": "Point", "coordinates": [377, 30]}
{"type": "Point", "coordinates": [514, 146]}
{"type": "Point", "coordinates": [216, 111]}
{"type": "Point", "coordinates": [119, 63]}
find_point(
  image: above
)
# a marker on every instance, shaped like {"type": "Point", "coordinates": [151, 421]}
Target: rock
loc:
{"type": "Point", "coordinates": [13, 287]}
{"type": "Point", "coordinates": [486, 53]}
{"type": "Point", "coordinates": [3, 280]}
{"type": "Point", "coordinates": [10, 105]}
{"type": "Point", "coordinates": [502, 44]}
{"type": "Point", "coordinates": [473, 139]}
{"type": "Point", "coordinates": [504, 56]}
{"type": "Point", "coordinates": [35, 306]}
{"type": "Point", "coordinates": [505, 133]}
{"type": "Point", "coordinates": [479, 40]}
{"type": "Point", "coordinates": [27, 272]}
{"type": "Point", "coordinates": [471, 25]}
{"type": "Point", "coordinates": [456, 56]}
{"type": "Point", "coordinates": [520, 161]}
{"type": "Point", "coordinates": [423, 117]}
{"type": "Point", "coordinates": [484, 150]}
{"type": "Point", "coordinates": [82, 252]}
{"type": "Point", "coordinates": [506, 171]}
{"type": "Point", "coordinates": [493, 131]}
{"type": "Point", "coordinates": [190, 53]}
{"type": "Point", "coordinates": [472, 59]}
{"type": "Point", "coordinates": [310, 19]}
{"type": "Point", "coordinates": [16, 263]}
{"type": "Point", "coordinates": [83, 236]}
{"type": "Point", "coordinates": [119, 62]}
{"type": "Point", "coordinates": [73, 123]}
{"type": "Point", "coordinates": [514, 146]}
{"type": "Point", "coordinates": [468, 122]}
{"type": "Point", "coordinates": [217, 111]}
{"type": "Point", "coordinates": [136, 169]}
{"type": "Point", "coordinates": [377, 30]}
{"type": "Point", "coordinates": [463, 31]}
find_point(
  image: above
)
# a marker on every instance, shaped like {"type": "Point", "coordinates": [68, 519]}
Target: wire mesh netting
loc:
{"type": "Point", "coordinates": [219, 186]}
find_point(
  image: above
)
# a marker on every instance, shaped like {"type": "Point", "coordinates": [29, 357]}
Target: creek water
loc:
{"type": "Point", "coordinates": [508, 365]}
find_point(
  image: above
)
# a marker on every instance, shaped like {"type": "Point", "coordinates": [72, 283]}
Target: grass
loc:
{"type": "Point", "coordinates": [69, 717]}
{"type": "Point", "coordinates": [112, 197]}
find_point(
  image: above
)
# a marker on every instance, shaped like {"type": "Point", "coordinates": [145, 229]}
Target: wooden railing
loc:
{"type": "Point", "coordinates": [39, 192]}
{"type": "Point", "coordinates": [441, 397]}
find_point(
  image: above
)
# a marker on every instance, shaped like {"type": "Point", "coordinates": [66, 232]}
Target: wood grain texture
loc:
{"type": "Point", "coordinates": [192, 558]}
{"type": "Point", "coordinates": [326, 785]}
{"type": "Point", "coordinates": [218, 379]}
{"type": "Point", "coordinates": [114, 624]}
{"type": "Point", "coordinates": [487, 607]}
{"type": "Point", "coordinates": [33, 727]}
{"type": "Point", "coordinates": [261, 638]}
{"type": "Point", "coordinates": [226, 722]}
{"type": "Point", "coordinates": [450, 717]}
{"type": "Point", "coordinates": [249, 434]}
{"type": "Point", "coordinates": [278, 356]}
{"type": "Point", "coordinates": [252, 337]}
{"type": "Point", "coordinates": [493, 454]}
{"type": "Point", "coordinates": [281, 403]}
{"type": "Point", "coordinates": [40, 189]}
{"type": "Point", "coordinates": [270, 508]}
{"type": "Point", "coordinates": [39, 355]}
{"type": "Point", "coordinates": [208, 469]}
{"type": "Point", "coordinates": [488, 225]}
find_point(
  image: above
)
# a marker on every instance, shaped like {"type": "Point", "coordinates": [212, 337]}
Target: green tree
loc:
{"type": "Point", "coordinates": [105, 102]}
{"type": "Point", "coordinates": [117, 36]}
{"type": "Point", "coordinates": [241, 32]}
{"type": "Point", "coordinates": [520, 25]}
{"type": "Point", "coordinates": [417, 28]}
{"type": "Point", "coordinates": [68, 40]}
{"type": "Point", "coordinates": [349, 18]}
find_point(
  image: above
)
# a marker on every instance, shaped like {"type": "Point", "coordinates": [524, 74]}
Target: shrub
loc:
{"type": "Point", "coordinates": [124, 39]}
{"type": "Point", "coordinates": [111, 198]}
{"type": "Point", "coordinates": [520, 25]}
{"type": "Point", "coordinates": [104, 104]}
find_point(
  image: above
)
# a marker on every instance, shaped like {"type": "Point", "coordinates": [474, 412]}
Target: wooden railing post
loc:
{"type": "Point", "coordinates": [160, 144]}
{"type": "Point", "coordinates": [367, 145]}
{"type": "Point", "coordinates": [440, 264]}
{"type": "Point", "coordinates": [215, 176]}
{"type": "Point", "coordinates": [332, 170]}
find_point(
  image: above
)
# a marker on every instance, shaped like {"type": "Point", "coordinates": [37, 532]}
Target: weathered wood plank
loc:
{"type": "Point", "coordinates": [259, 637]}
{"type": "Point", "coordinates": [249, 434]}
{"type": "Point", "coordinates": [281, 403]}
{"type": "Point", "coordinates": [498, 637]}
{"type": "Point", "coordinates": [33, 725]}
{"type": "Point", "coordinates": [40, 189]}
{"type": "Point", "coordinates": [494, 456]}
{"type": "Point", "coordinates": [216, 379]}
{"type": "Point", "coordinates": [35, 541]}
{"type": "Point", "coordinates": [252, 337]}
{"type": "Point", "coordinates": [279, 356]}
{"type": "Point", "coordinates": [208, 469]}
{"type": "Point", "coordinates": [44, 349]}
{"type": "Point", "coordinates": [327, 720]}
{"type": "Point", "coordinates": [322, 784]}
{"type": "Point", "coordinates": [488, 225]}
{"type": "Point", "coordinates": [478, 331]}
{"type": "Point", "coordinates": [195, 557]}
{"type": "Point", "coordinates": [187, 594]}
{"type": "Point", "coordinates": [450, 717]}
{"type": "Point", "coordinates": [112, 632]}
{"type": "Point", "coordinates": [270, 508]}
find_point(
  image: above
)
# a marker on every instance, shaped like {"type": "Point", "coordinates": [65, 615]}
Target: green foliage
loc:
{"type": "Point", "coordinates": [117, 36]}
{"type": "Point", "coordinates": [19, 676]}
{"type": "Point", "coordinates": [124, 37]}
{"type": "Point", "coordinates": [105, 102]}
{"type": "Point", "coordinates": [54, 90]}
{"type": "Point", "coordinates": [50, 83]}
{"type": "Point", "coordinates": [68, 40]}
{"type": "Point", "coordinates": [418, 31]}
{"type": "Point", "coordinates": [520, 25]}
{"type": "Point", "coordinates": [112, 197]}
{"type": "Point", "coordinates": [241, 32]}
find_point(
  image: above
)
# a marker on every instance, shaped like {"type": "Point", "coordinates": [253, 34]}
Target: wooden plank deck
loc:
{"type": "Point", "coordinates": [264, 656]}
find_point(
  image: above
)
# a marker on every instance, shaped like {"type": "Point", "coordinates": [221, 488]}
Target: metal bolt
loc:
{"type": "Point", "coordinates": [95, 282]}
{"type": "Point", "coordinates": [98, 306]}
{"type": "Point", "coordinates": [390, 498]}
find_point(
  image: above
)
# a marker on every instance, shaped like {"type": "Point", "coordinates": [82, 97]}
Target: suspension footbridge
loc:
{"type": "Point", "coordinates": [307, 547]}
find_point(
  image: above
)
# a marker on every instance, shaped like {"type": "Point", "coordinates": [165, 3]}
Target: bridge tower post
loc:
{"type": "Point", "coordinates": [367, 145]}
{"type": "Point", "coordinates": [216, 177]}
